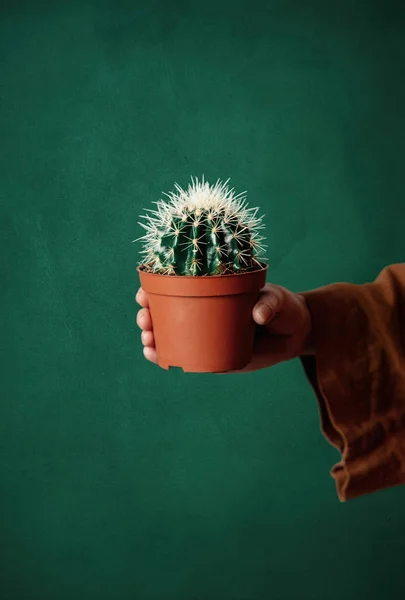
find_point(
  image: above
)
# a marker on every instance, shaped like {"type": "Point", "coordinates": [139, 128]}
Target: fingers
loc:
{"type": "Point", "coordinates": [148, 339]}
{"type": "Point", "coordinates": [268, 305]}
{"type": "Point", "coordinates": [144, 320]}
{"type": "Point", "coordinates": [142, 298]}
{"type": "Point", "coordinates": [150, 354]}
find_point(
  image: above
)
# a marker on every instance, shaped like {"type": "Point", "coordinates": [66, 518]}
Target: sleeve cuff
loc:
{"type": "Point", "coordinates": [349, 377]}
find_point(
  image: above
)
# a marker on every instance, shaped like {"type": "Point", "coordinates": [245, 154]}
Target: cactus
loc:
{"type": "Point", "coordinates": [203, 230]}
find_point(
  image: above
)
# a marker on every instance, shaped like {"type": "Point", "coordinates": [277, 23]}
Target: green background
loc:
{"type": "Point", "coordinates": [120, 481]}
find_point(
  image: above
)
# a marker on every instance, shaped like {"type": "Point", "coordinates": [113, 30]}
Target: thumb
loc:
{"type": "Point", "coordinates": [268, 305]}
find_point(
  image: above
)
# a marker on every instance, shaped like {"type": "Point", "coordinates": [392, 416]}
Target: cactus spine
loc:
{"type": "Point", "coordinates": [203, 230]}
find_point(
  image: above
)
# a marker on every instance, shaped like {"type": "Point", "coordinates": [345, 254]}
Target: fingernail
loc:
{"type": "Point", "coordinates": [263, 313]}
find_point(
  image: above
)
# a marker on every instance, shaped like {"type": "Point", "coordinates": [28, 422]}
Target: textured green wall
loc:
{"type": "Point", "coordinates": [123, 482]}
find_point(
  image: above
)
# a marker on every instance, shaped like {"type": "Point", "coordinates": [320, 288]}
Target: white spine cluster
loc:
{"type": "Point", "coordinates": [218, 202]}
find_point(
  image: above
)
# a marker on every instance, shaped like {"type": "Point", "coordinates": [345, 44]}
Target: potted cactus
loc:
{"type": "Point", "coordinates": [202, 270]}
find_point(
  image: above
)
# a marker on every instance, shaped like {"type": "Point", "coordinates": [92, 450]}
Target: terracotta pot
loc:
{"type": "Point", "coordinates": [203, 324]}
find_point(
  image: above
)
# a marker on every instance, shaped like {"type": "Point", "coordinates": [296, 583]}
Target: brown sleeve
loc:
{"type": "Point", "coordinates": [358, 375]}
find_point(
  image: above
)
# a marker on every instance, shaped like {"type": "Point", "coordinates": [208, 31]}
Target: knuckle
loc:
{"type": "Point", "coordinates": [140, 316]}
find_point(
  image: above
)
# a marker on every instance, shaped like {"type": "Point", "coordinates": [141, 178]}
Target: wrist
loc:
{"type": "Point", "coordinates": [307, 344]}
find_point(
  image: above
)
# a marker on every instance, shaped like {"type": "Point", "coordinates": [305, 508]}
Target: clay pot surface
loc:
{"type": "Point", "coordinates": [203, 323]}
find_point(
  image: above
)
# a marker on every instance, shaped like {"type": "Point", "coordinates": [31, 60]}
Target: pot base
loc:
{"type": "Point", "coordinates": [225, 368]}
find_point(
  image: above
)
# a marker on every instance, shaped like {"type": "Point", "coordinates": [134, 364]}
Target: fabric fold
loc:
{"type": "Point", "coordinates": [358, 376]}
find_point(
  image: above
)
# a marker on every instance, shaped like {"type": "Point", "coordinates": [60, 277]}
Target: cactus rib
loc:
{"type": "Point", "coordinates": [203, 230]}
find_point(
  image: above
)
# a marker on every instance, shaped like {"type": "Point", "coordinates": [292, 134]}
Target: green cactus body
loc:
{"type": "Point", "coordinates": [204, 231]}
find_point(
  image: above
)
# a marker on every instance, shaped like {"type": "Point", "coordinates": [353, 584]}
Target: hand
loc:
{"type": "Point", "coordinates": [283, 332]}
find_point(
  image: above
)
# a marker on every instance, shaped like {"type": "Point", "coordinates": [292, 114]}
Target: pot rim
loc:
{"type": "Point", "coordinates": [201, 277]}
{"type": "Point", "coordinates": [203, 285]}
